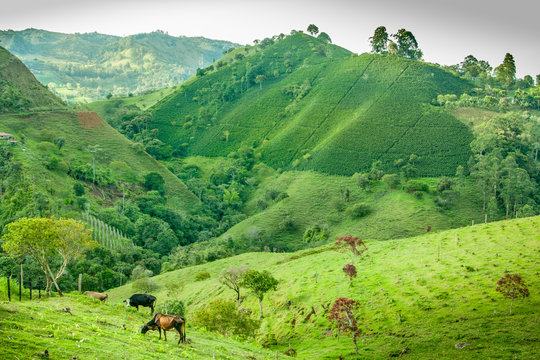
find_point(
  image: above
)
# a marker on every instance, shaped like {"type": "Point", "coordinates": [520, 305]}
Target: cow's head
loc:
{"type": "Point", "coordinates": [127, 302]}
{"type": "Point", "coordinates": [147, 327]}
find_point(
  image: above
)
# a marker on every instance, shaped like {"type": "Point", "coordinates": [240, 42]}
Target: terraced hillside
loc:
{"type": "Point", "coordinates": [306, 104]}
{"type": "Point", "coordinates": [428, 297]}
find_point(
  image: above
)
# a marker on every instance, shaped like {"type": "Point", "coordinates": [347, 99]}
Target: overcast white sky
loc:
{"type": "Point", "coordinates": [446, 30]}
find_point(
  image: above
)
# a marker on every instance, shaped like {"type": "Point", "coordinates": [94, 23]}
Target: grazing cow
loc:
{"type": "Point", "coordinates": [166, 322]}
{"type": "Point", "coordinates": [96, 295]}
{"type": "Point", "coordinates": [137, 300]}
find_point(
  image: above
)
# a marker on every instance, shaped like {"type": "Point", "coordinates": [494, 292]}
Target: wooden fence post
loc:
{"type": "Point", "coordinates": [9, 287]}
{"type": "Point", "coordinates": [30, 289]}
{"type": "Point", "coordinates": [20, 284]}
{"type": "Point", "coordinates": [80, 283]}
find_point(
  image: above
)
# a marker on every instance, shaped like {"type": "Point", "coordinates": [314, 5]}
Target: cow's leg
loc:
{"type": "Point", "coordinates": [151, 309]}
{"type": "Point", "coordinates": [165, 333]}
{"type": "Point", "coordinates": [137, 307]}
{"type": "Point", "coordinates": [159, 328]}
{"type": "Point", "coordinates": [180, 328]}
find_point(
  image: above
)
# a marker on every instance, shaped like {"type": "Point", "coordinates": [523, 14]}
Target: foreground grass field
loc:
{"type": "Point", "coordinates": [443, 285]}
{"type": "Point", "coordinates": [101, 331]}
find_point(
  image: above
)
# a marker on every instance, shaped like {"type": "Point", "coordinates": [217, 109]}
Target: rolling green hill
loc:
{"type": "Point", "coordinates": [306, 104]}
{"type": "Point", "coordinates": [19, 89]}
{"type": "Point", "coordinates": [443, 284]}
{"type": "Point", "coordinates": [89, 66]}
{"type": "Point", "coordinates": [98, 331]}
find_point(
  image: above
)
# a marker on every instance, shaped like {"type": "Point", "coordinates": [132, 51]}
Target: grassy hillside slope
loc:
{"type": "Point", "coordinates": [19, 89]}
{"type": "Point", "coordinates": [442, 283]}
{"type": "Point", "coordinates": [91, 65]}
{"type": "Point", "coordinates": [101, 331]}
{"type": "Point", "coordinates": [306, 104]}
{"type": "Point", "coordinates": [80, 130]}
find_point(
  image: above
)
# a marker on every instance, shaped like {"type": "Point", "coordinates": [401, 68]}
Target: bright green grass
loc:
{"type": "Point", "coordinates": [312, 198]}
{"type": "Point", "coordinates": [443, 283]}
{"type": "Point", "coordinates": [96, 331]}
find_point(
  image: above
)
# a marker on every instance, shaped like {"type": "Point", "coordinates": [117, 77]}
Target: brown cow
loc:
{"type": "Point", "coordinates": [166, 322]}
{"type": "Point", "coordinates": [96, 295]}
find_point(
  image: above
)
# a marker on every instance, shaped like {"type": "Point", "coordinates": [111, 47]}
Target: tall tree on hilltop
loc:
{"type": "Point", "coordinates": [313, 29]}
{"type": "Point", "coordinates": [379, 41]}
{"type": "Point", "coordinates": [407, 45]}
{"type": "Point", "coordinates": [506, 72]}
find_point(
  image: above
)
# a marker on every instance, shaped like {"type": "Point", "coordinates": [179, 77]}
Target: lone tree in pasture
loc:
{"type": "Point", "coordinates": [313, 29]}
{"type": "Point", "coordinates": [259, 283]}
{"type": "Point", "coordinates": [46, 240]}
{"type": "Point", "coordinates": [350, 271]}
{"type": "Point", "coordinates": [379, 41]}
{"type": "Point", "coordinates": [231, 278]}
{"type": "Point", "coordinates": [343, 317]}
{"type": "Point", "coordinates": [352, 244]}
{"type": "Point", "coordinates": [512, 287]}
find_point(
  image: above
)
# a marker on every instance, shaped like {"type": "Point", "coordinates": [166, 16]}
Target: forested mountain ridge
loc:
{"type": "Point", "coordinates": [83, 67]}
{"type": "Point", "coordinates": [303, 103]}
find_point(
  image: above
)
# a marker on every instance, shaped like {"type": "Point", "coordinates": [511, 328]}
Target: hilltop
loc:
{"type": "Point", "coordinates": [305, 104]}
{"type": "Point", "coordinates": [443, 285]}
{"type": "Point", "coordinates": [19, 88]}
{"type": "Point", "coordinates": [92, 65]}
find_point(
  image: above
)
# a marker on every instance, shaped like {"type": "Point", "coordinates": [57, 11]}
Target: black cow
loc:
{"type": "Point", "coordinates": [137, 300]}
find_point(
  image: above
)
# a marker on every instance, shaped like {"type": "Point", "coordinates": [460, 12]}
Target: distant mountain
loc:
{"type": "Point", "coordinates": [19, 89]}
{"type": "Point", "coordinates": [305, 104]}
{"type": "Point", "coordinates": [84, 67]}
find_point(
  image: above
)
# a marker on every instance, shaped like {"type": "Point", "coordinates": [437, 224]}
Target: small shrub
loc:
{"type": "Point", "coordinates": [261, 204]}
{"type": "Point", "coordinates": [316, 233]}
{"type": "Point", "coordinates": [202, 275]}
{"type": "Point", "coordinates": [418, 194]}
{"type": "Point", "coordinates": [445, 183]}
{"type": "Point", "coordinates": [172, 307]}
{"type": "Point", "coordinates": [415, 185]}
{"type": "Point", "coordinates": [282, 196]}
{"type": "Point", "coordinates": [145, 285]}
{"type": "Point", "coordinates": [359, 210]}
{"type": "Point", "coordinates": [338, 204]}
{"type": "Point", "coordinates": [271, 194]}
{"type": "Point", "coordinates": [223, 316]}
{"type": "Point", "coordinates": [391, 181]}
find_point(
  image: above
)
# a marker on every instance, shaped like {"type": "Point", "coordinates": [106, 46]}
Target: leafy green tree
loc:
{"type": "Point", "coordinates": [259, 283]}
{"type": "Point", "coordinates": [506, 72]}
{"type": "Point", "coordinates": [391, 181]}
{"type": "Point", "coordinates": [224, 317]}
{"type": "Point", "coordinates": [78, 189]}
{"type": "Point", "coordinates": [407, 45]}
{"type": "Point", "coordinates": [259, 79]}
{"type": "Point", "coordinates": [154, 181]}
{"type": "Point", "coordinates": [528, 82]}
{"type": "Point", "coordinates": [313, 29]}
{"type": "Point", "coordinates": [324, 37]}
{"type": "Point", "coordinates": [379, 41]}
{"type": "Point", "coordinates": [46, 239]}
{"type": "Point", "coordinates": [538, 80]}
